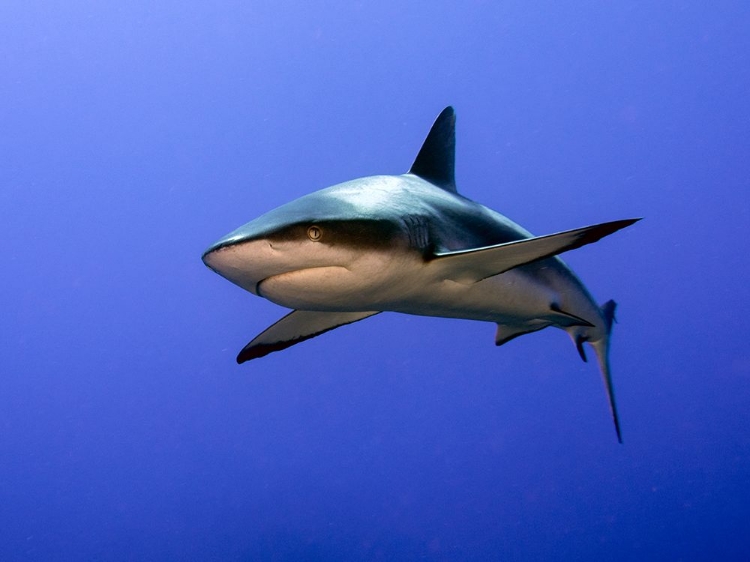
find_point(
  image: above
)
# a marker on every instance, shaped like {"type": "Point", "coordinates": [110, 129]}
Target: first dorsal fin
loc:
{"type": "Point", "coordinates": [436, 159]}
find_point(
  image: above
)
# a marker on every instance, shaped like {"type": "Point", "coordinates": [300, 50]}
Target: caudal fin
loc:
{"type": "Point", "coordinates": [601, 347]}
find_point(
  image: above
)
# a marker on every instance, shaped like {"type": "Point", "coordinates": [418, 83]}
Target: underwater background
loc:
{"type": "Point", "coordinates": [133, 135]}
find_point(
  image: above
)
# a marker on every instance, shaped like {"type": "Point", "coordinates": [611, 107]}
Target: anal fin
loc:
{"type": "Point", "coordinates": [296, 327]}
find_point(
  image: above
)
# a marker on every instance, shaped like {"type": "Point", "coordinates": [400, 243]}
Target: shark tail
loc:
{"type": "Point", "coordinates": [601, 348]}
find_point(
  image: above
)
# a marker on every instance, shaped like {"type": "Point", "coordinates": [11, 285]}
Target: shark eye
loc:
{"type": "Point", "coordinates": [314, 233]}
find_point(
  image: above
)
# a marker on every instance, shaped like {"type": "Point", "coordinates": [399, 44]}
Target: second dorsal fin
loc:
{"type": "Point", "coordinates": [436, 159]}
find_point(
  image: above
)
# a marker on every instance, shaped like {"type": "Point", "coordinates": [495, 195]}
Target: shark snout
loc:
{"type": "Point", "coordinates": [247, 263]}
{"type": "Point", "coordinates": [243, 263]}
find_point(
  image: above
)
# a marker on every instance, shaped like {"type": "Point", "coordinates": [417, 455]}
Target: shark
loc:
{"type": "Point", "coordinates": [412, 244]}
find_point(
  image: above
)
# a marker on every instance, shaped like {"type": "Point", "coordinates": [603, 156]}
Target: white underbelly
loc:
{"type": "Point", "coordinates": [508, 297]}
{"type": "Point", "coordinates": [511, 296]}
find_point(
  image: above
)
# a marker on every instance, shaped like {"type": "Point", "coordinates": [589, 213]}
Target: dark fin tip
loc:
{"type": "Point", "coordinates": [436, 159]}
{"type": "Point", "coordinates": [602, 230]}
{"type": "Point", "coordinates": [254, 351]}
{"type": "Point", "coordinates": [617, 429]}
{"type": "Point", "coordinates": [262, 350]}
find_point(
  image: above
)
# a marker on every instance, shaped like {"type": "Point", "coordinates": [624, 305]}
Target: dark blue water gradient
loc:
{"type": "Point", "coordinates": [132, 136]}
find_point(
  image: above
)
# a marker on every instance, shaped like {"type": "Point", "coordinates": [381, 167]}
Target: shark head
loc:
{"type": "Point", "coordinates": [352, 227]}
{"type": "Point", "coordinates": [339, 240]}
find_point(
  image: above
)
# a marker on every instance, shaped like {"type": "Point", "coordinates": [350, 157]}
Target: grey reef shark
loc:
{"type": "Point", "coordinates": [411, 243]}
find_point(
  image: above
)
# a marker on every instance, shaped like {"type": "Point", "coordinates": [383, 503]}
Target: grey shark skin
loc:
{"type": "Point", "coordinates": [411, 243]}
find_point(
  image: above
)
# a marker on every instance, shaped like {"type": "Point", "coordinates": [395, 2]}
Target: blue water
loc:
{"type": "Point", "coordinates": [133, 135]}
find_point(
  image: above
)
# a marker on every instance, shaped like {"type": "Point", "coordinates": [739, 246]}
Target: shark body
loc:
{"type": "Point", "coordinates": [412, 244]}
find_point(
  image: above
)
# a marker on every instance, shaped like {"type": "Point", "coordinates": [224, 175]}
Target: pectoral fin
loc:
{"type": "Point", "coordinates": [468, 266]}
{"type": "Point", "coordinates": [296, 327]}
